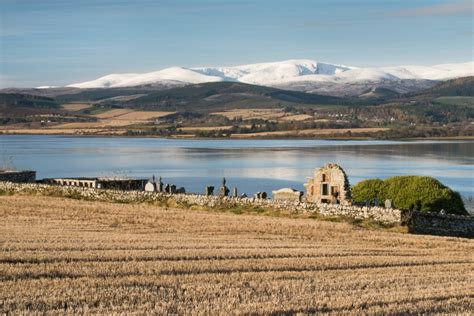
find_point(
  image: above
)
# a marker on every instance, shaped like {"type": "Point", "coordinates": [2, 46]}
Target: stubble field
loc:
{"type": "Point", "coordinates": [59, 255]}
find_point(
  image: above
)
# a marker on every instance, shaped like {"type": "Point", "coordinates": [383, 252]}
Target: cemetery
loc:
{"type": "Point", "coordinates": [328, 194]}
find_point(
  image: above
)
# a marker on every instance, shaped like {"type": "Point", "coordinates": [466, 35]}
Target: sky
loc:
{"type": "Point", "coordinates": [59, 42]}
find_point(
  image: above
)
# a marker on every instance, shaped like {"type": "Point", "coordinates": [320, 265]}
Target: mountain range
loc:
{"type": "Point", "coordinates": [298, 74]}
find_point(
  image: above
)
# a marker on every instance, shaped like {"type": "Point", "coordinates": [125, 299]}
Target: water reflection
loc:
{"type": "Point", "coordinates": [251, 165]}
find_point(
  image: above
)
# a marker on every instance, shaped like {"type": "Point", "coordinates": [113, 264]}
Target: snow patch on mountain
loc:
{"type": "Point", "coordinates": [291, 73]}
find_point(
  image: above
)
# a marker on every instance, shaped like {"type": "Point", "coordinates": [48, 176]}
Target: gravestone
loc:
{"type": "Point", "coordinates": [388, 203]}
{"type": "Point", "coordinates": [181, 190]}
{"type": "Point", "coordinates": [159, 185]}
{"type": "Point", "coordinates": [209, 190]}
{"type": "Point", "coordinates": [150, 187]}
{"type": "Point", "coordinates": [260, 195]}
{"type": "Point", "coordinates": [234, 192]}
{"type": "Point", "coordinates": [224, 191]}
{"type": "Point", "coordinates": [172, 189]}
{"type": "Point", "coordinates": [376, 202]}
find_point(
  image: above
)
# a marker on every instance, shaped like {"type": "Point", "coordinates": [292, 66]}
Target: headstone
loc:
{"type": "Point", "coordinates": [388, 203]}
{"type": "Point", "coordinates": [261, 195]}
{"type": "Point", "coordinates": [167, 188]}
{"type": "Point", "coordinates": [224, 191]}
{"type": "Point", "coordinates": [181, 190]}
{"type": "Point", "coordinates": [150, 186]}
{"type": "Point", "coordinates": [234, 192]}
{"type": "Point", "coordinates": [376, 202]}
{"type": "Point", "coordinates": [159, 185]}
{"type": "Point", "coordinates": [243, 196]}
{"type": "Point", "coordinates": [209, 190]}
{"type": "Point", "coordinates": [172, 189]}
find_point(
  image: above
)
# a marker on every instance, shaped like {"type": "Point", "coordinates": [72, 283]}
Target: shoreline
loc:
{"type": "Point", "coordinates": [289, 137]}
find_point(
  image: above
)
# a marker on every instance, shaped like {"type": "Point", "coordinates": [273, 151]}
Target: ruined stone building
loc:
{"type": "Point", "coordinates": [329, 184]}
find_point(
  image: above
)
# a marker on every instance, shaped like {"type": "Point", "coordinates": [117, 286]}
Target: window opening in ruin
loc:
{"type": "Point", "coordinates": [324, 189]}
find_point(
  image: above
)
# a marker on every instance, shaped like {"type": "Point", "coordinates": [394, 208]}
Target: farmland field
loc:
{"type": "Point", "coordinates": [74, 107]}
{"type": "Point", "coordinates": [129, 114]}
{"type": "Point", "coordinates": [59, 255]}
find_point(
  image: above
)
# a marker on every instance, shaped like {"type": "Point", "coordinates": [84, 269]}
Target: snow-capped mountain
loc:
{"type": "Point", "coordinates": [302, 74]}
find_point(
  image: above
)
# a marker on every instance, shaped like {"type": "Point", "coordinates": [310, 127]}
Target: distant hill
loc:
{"type": "Point", "coordinates": [29, 101]}
{"type": "Point", "coordinates": [295, 74]}
{"type": "Point", "coordinates": [455, 87]}
{"type": "Point", "coordinates": [24, 104]}
{"type": "Point", "coordinates": [224, 95]}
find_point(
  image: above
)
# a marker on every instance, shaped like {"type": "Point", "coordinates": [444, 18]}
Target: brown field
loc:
{"type": "Point", "coordinates": [143, 115]}
{"type": "Point", "coordinates": [112, 113]}
{"type": "Point", "coordinates": [129, 114]}
{"type": "Point", "coordinates": [297, 117]}
{"type": "Point", "coordinates": [248, 114]}
{"type": "Point", "coordinates": [76, 106]}
{"type": "Point", "coordinates": [311, 132]}
{"type": "Point", "coordinates": [92, 125]}
{"type": "Point", "coordinates": [115, 118]}
{"type": "Point", "coordinates": [266, 114]}
{"type": "Point", "coordinates": [68, 256]}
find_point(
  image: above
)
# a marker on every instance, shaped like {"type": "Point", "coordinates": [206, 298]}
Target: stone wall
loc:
{"type": "Point", "coordinates": [375, 213]}
{"type": "Point", "coordinates": [439, 224]}
{"type": "Point", "coordinates": [18, 176]}
{"type": "Point", "coordinates": [418, 223]}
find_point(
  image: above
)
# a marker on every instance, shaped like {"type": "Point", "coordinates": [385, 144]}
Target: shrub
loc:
{"type": "Point", "coordinates": [410, 193]}
{"type": "Point", "coordinates": [368, 190]}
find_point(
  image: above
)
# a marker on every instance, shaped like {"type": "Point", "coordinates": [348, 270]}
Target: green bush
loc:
{"type": "Point", "coordinates": [410, 193]}
{"type": "Point", "coordinates": [368, 190]}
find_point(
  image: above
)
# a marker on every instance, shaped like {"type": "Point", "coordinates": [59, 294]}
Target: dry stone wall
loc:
{"type": "Point", "coordinates": [376, 213]}
{"type": "Point", "coordinates": [417, 222]}
{"type": "Point", "coordinates": [439, 224]}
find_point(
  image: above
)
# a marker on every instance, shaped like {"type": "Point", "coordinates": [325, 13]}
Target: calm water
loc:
{"type": "Point", "coordinates": [250, 165]}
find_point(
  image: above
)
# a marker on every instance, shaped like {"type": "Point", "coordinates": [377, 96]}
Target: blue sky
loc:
{"type": "Point", "coordinates": [57, 42]}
